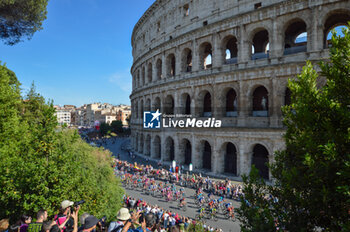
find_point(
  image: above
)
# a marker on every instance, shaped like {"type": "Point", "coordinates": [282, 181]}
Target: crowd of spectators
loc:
{"type": "Point", "coordinates": [135, 217]}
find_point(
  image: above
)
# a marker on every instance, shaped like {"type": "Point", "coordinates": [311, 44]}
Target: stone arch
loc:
{"type": "Point", "coordinates": [143, 76]}
{"type": "Point", "coordinates": [229, 43]}
{"type": "Point", "coordinates": [295, 36]}
{"type": "Point", "coordinates": [149, 72]}
{"type": "Point", "coordinates": [141, 144]}
{"type": "Point", "coordinates": [230, 154]}
{"type": "Point", "coordinates": [148, 105]}
{"type": "Point", "coordinates": [138, 84]}
{"type": "Point", "coordinates": [260, 44]}
{"type": "Point", "coordinates": [171, 65]}
{"type": "Point", "coordinates": [287, 97]}
{"type": "Point", "coordinates": [231, 103]}
{"type": "Point", "coordinates": [169, 149]}
{"type": "Point", "coordinates": [206, 155]}
{"type": "Point", "coordinates": [157, 147]}
{"type": "Point", "coordinates": [148, 145]}
{"type": "Point", "coordinates": [136, 148]}
{"type": "Point", "coordinates": [204, 104]}
{"type": "Point", "coordinates": [186, 151]}
{"type": "Point", "coordinates": [156, 104]}
{"type": "Point", "coordinates": [186, 103]}
{"type": "Point", "coordinates": [333, 19]}
{"type": "Point", "coordinates": [186, 60]}
{"type": "Point", "coordinates": [137, 109]}
{"type": "Point", "coordinates": [169, 105]}
{"type": "Point", "coordinates": [260, 102]}
{"type": "Point", "coordinates": [260, 159]}
{"type": "Point", "coordinates": [142, 109]}
{"type": "Point", "coordinates": [159, 70]}
{"type": "Point", "coordinates": [205, 55]}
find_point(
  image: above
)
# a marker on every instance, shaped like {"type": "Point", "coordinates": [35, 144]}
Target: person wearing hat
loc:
{"type": "Point", "coordinates": [127, 220]}
{"type": "Point", "coordinates": [90, 223]}
{"type": "Point", "coordinates": [64, 219]}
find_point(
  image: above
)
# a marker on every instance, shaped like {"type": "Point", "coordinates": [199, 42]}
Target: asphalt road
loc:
{"type": "Point", "coordinates": [192, 210]}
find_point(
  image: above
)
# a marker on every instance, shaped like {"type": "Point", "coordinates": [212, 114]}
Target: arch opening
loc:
{"type": "Point", "coordinates": [187, 150]}
{"type": "Point", "coordinates": [187, 60]}
{"type": "Point", "coordinates": [287, 97]}
{"type": "Point", "coordinates": [159, 69]}
{"type": "Point", "coordinates": [260, 45]}
{"type": "Point", "coordinates": [231, 159]}
{"type": "Point", "coordinates": [260, 102]}
{"type": "Point", "coordinates": [231, 103]}
{"type": "Point", "coordinates": [206, 53]}
{"type": "Point", "coordinates": [206, 156]}
{"type": "Point", "coordinates": [149, 73]}
{"type": "Point", "coordinates": [170, 149]}
{"type": "Point", "coordinates": [260, 160]}
{"type": "Point", "coordinates": [207, 110]}
{"type": "Point", "coordinates": [295, 38]}
{"type": "Point", "coordinates": [231, 50]}
{"type": "Point", "coordinates": [157, 147]}
{"type": "Point", "coordinates": [169, 105]}
{"type": "Point", "coordinates": [171, 65]}
{"type": "Point", "coordinates": [337, 20]}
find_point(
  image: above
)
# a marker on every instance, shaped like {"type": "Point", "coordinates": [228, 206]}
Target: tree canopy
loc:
{"type": "Point", "coordinates": [311, 176]}
{"type": "Point", "coordinates": [41, 166]}
{"type": "Point", "coordinates": [21, 18]}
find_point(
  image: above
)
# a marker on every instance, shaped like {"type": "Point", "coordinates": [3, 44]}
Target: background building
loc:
{"type": "Point", "coordinates": [227, 59]}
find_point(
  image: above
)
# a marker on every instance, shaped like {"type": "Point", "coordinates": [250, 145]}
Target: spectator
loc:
{"type": "Point", "coordinates": [149, 223]}
{"type": "Point", "coordinates": [114, 226]}
{"type": "Point", "coordinates": [127, 220]}
{"type": "Point", "coordinates": [4, 225]}
{"type": "Point", "coordinates": [82, 221]}
{"type": "Point", "coordinates": [47, 226]}
{"type": "Point", "coordinates": [41, 216]}
{"type": "Point", "coordinates": [63, 219]}
{"type": "Point", "coordinates": [90, 223]}
{"type": "Point", "coordinates": [25, 221]}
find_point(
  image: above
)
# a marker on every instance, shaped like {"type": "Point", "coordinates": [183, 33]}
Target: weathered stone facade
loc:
{"type": "Point", "coordinates": [228, 59]}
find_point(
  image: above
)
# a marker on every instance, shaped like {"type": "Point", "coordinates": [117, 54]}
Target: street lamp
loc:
{"type": "Point", "coordinates": [174, 165]}
{"type": "Point", "coordinates": [190, 168]}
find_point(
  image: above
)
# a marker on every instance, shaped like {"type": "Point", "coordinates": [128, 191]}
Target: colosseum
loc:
{"type": "Point", "coordinates": [227, 59]}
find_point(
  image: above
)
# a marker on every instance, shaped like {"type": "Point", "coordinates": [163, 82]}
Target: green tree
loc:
{"type": "Point", "coordinates": [41, 166]}
{"type": "Point", "coordinates": [21, 18]}
{"type": "Point", "coordinates": [311, 176]}
{"type": "Point", "coordinates": [105, 129]}
{"type": "Point", "coordinates": [117, 126]}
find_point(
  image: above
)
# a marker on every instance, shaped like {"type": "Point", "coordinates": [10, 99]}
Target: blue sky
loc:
{"type": "Point", "coordinates": [82, 55]}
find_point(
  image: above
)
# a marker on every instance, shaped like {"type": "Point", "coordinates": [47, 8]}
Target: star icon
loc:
{"type": "Point", "coordinates": [156, 115]}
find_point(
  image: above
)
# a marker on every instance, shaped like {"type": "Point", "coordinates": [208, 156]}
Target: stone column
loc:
{"type": "Point", "coordinates": [164, 68]}
{"type": "Point", "coordinates": [275, 41]}
{"type": "Point", "coordinates": [316, 39]}
{"type": "Point", "coordinates": [244, 160]}
{"type": "Point", "coordinates": [243, 105]}
{"type": "Point", "coordinates": [220, 159]}
{"type": "Point", "coordinates": [177, 103]}
{"type": "Point", "coordinates": [177, 62]}
{"type": "Point", "coordinates": [217, 52]}
{"type": "Point", "coordinates": [153, 149]}
{"type": "Point", "coordinates": [195, 56]}
{"type": "Point", "coordinates": [243, 46]}
{"type": "Point", "coordinates": [163, 148]}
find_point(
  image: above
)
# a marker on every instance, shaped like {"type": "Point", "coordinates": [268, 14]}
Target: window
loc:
{"type": "Point", "coordinates": [186, 10]}
{"type": "Point", "coordinates": [257, 5]}
{"type": "Point", "coordinates": [158, 26]}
